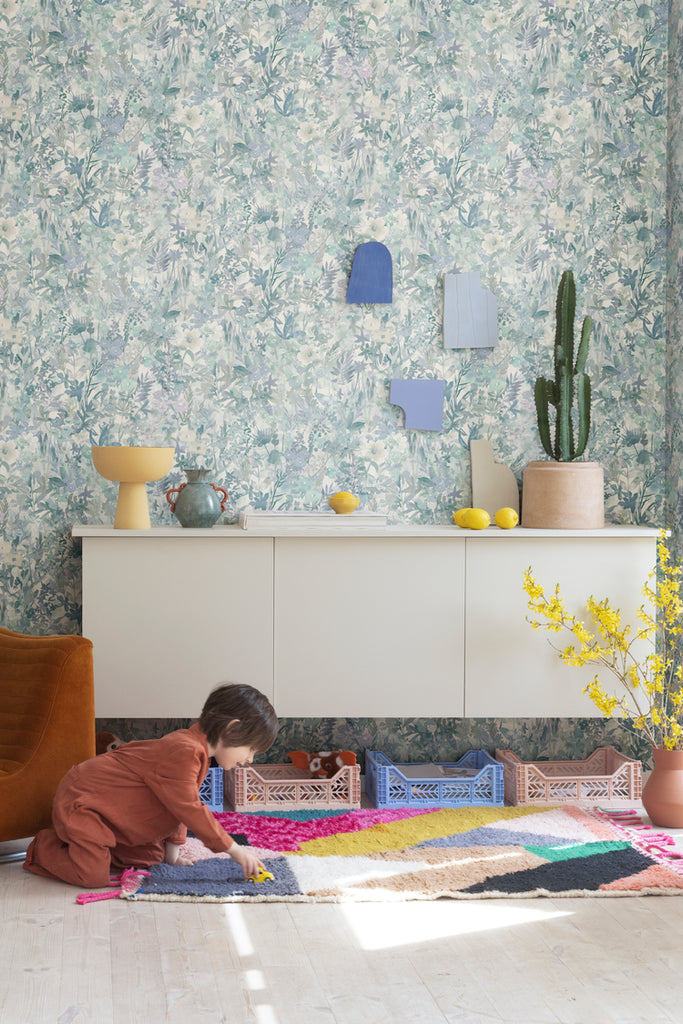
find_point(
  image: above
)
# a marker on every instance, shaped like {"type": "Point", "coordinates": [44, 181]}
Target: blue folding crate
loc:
{"type": "Point", "coordinates": [211, 789]}
{"type": "Point", "coordinates": [475, 780]}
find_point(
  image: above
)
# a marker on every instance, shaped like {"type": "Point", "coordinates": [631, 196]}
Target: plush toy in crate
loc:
{"type": "Point", "coordinates": [323, 764]}
{"type": "Point", "coordinates": [323, 779]}
{"type": "Point", "coordinates": [106, 741]}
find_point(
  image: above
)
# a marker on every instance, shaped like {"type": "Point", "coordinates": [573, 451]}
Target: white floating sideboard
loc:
{"type": "Point", "coordinates": [397, 622]}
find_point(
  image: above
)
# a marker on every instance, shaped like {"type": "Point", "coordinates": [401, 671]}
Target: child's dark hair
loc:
{"type": "Point", "coordinates": [254, 720]}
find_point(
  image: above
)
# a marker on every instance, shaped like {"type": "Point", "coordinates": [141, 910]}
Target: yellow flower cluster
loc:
{"type": "Point", "coordinates": [650, 690]}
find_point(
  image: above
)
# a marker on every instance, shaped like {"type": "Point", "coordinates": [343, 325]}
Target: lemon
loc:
{"type": "Point", "coordinates": [506, 518]}
{"type": "Point", "coordinates": [458, 516]}
{"type": "Point", "coordinates": [343, 502]}
{"type": "Point", "coordinates": [476, 519]}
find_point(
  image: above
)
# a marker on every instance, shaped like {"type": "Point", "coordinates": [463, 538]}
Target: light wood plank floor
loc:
{"type": "Point", "coordinates": [561, 961]}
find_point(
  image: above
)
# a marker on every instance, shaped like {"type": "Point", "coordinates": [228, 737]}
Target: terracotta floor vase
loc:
{"type": "Point", "coordinates": [663, 791]}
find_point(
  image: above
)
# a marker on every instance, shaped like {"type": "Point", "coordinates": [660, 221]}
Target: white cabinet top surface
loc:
{"type": "Point", "coordinates": [456, 532]}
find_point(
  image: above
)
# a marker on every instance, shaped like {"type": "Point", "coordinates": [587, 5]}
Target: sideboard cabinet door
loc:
{"type": "Point", "coordinates": [511, 669]}
{"type": "Point", "coordinates": [171, 619]}
{"type": "Point", "coordinates": [369, 627]}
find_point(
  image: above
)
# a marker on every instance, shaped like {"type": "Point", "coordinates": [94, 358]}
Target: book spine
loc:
{"type": "Point", "coordinates": [321, 521]}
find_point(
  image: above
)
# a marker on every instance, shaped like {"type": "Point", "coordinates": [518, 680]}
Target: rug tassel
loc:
{"type": "Point", "coordinates": [651, 840]}
{"type": "Point", "coordinates": [130, 879]}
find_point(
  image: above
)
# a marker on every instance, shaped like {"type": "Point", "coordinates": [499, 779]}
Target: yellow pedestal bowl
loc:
{"type": "Point", "coordinates": [132, 468]}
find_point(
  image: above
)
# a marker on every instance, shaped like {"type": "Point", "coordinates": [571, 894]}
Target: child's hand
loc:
{"type": "Point", "coordinates": [247, 859]}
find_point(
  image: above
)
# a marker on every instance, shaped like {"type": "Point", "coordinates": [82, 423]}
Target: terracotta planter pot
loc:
{"type": "Point", "coordinates": [563, 496]}
{"type": "Point", "coordinates": [663, 791]}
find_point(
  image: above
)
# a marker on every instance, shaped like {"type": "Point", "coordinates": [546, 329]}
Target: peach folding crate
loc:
{"type": "Point", "coordinates": [475, 780]}
{"type": "Point", "coordinates": [605, 775]}
{"type": "Point", "coordinates": [284, 787]}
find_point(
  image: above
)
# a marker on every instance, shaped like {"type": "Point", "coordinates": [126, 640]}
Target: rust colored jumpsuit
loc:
{"type": "Point", "coordinates": [118, 809]}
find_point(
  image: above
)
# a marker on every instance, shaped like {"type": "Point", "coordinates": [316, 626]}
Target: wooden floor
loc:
{"type": "Point", "coordinates": [534, 961]}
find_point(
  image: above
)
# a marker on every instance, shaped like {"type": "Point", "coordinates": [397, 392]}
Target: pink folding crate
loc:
{"type": "Point", "coordinates": [284, 787]}
{"type": "Point", "coordinates": [605, 775]}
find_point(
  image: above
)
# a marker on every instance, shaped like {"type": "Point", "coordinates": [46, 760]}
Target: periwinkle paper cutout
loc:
{"type": "Point", "coordinates": [421, 401]}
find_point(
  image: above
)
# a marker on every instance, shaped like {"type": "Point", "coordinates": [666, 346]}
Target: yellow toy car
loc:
{"type": "Point", "coordinates": [262, 876]}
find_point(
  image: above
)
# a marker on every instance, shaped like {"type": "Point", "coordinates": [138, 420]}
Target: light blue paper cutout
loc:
{"type": "Point", "coordinates": [371, 274]}
{"type": "Point", "coordinates": [421, 401]}
{"type": "Point", "coordinates": [470, 313]}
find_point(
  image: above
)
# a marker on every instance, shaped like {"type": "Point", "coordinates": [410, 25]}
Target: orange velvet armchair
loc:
{"type": "Point", "coordinates": [47, 724]}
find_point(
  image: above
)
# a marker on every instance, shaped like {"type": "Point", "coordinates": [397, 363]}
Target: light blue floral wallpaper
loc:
{"type": "Point", "coordinates": [183, 188]}
{"type": "Point", "coordinates": [674, 319]}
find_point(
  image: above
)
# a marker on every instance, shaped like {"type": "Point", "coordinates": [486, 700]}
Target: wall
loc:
{"type": "Point", "coordinates": [424, 739]}
{"type": "Point", "coordinates": [184, 187]}
{"type": "Point", "coordinates": [674, 413]}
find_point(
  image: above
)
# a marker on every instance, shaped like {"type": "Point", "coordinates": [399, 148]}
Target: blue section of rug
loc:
{"type": "Point", "coordinates": [218, 877]}
{"type": "Point", "coordinates": [496, 837]}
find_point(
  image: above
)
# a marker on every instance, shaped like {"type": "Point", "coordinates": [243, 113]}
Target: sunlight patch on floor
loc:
{"type": "Point", "coordinates": [253, 978]}
{"type": "Point", "coordinates": [240, 933]}
{"type": "Point", "coordinates": [384, 926]}
{"type": "Point", "coordinates": [266, 1015]}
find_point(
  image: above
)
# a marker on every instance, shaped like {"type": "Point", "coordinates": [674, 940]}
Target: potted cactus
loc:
{"type": "Point", "coordinates": [570, 381]}
{"type": "Point", "coordinates": [565, 493]}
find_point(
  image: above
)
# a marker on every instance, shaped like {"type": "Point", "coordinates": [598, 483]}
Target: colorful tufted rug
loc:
{"type": "Point", "coordinates": [404, 854]}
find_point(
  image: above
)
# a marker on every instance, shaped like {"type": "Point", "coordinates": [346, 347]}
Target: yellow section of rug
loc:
{"type": "Point", "coordinates": [395, 835]}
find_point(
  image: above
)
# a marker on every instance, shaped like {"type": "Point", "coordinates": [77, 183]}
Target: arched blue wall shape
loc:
{"type": "Point", "coordinates": [371, 277]}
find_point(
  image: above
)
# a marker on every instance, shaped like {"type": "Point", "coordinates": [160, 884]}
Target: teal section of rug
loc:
{"type": "Point", "coordinates": [559, 853]}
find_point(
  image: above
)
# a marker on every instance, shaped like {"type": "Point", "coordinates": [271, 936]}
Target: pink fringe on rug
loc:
{"type": "Point", "coordinates": [130, 881]}
{"type": "Point", "coordinates": [643, 836]}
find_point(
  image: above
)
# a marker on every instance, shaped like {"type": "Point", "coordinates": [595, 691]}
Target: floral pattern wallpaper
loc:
{"type": "Point", "coordinates": [674, 416]}
{"type": "Point", "coordinates": [425, 739]}
{"type": "Point", "coordinates": [183, 188]}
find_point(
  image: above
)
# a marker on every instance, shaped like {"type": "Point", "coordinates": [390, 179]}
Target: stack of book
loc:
{"type": "Point", "coordinates": [265, 522]}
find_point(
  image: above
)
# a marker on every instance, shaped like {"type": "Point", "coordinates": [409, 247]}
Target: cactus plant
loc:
{"type": "Point", "coordinates": [570, 379]}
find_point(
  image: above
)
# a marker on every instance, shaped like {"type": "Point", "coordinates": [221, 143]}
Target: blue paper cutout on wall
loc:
{"type": "Point", "coordinates": [371, 274]}
{"type": "Point", "coordinates": [470, 313]}
{"type": "Point", "coordinates": [421, 401]}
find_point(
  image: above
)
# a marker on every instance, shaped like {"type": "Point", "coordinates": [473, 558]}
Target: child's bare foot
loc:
{"type": "Point", "coordinates": [175, 856]}
{"type": "Point", "coordinates": [184, 860]}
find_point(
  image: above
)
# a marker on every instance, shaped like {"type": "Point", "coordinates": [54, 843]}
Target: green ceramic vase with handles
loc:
{"type": "Point", "coordinates": [198, 503]}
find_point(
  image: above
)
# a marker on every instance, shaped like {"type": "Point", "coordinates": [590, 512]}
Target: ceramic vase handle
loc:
{"type": "Point", "coordinates": [223, 492]}
{"type": "Point", "coordinates": [174, 490]}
